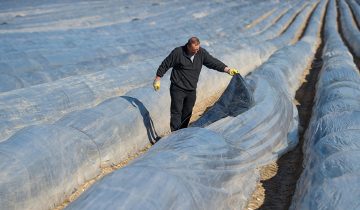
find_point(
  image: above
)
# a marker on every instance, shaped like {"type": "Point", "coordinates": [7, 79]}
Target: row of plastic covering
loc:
{"type": "Point", "coordinates": [280, 25]}
{"type": "Point", "coordinates": [274, 26]}
{"type": "Point", "coordinates": [49, 102]}
{"type": "Point", "coordinates": [349, 28]}
{"type": "Point", "coordinates": [44, 163]}
{"type": "Point", "coordinates": [216, 167]}
{"type": "Point", "coordinates": [269, 20]}
{"type": "Point", "coordinates": [261, 51]}
{"type": "Point", "coordinates": [33, 58]}
{"type": "Point", "coordinates": [330, 179]}
{"type": "Point", "coordinates": [355, 7]}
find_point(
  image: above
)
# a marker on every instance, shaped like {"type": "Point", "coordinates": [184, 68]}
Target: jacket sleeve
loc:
{"type": "Point", "coordinates": [213, 63]}
{"type": "Point", "coordinates": [167, 63]}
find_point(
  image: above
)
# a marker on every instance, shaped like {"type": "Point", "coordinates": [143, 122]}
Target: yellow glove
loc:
{"type": "Point", "coordinates": [232, 72]}
{"type": "Point", "coordinates": [156, 85]}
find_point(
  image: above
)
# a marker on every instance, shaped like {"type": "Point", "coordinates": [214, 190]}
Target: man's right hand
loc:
{"type": "Point", "coordinates": [156, 84]}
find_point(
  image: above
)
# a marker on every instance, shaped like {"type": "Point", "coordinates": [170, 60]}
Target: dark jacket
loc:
{"type": "Point", "coordinates": [185, 74]}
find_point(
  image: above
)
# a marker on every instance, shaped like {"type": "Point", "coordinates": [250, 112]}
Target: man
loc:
{"type": "Point", "coordinates": [186, 62]}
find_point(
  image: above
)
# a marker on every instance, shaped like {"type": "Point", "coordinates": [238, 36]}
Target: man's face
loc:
{"type": "Point", "coordinates": [193, 48]}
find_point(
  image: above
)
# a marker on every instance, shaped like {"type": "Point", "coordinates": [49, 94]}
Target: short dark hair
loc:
{"type": "Point", "coordinates": [193, 40]}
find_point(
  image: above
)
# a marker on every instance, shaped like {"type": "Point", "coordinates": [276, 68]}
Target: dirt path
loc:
{"type": "Point", "coordinates": [278, 180]}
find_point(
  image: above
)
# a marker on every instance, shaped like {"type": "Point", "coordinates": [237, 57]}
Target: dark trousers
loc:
{"type": "Point", "coordinates": [182, 103]}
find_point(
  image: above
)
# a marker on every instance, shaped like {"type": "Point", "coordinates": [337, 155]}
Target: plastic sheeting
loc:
{"type": "Point", "coordinates": [42, 160]}
{"type": "Point", "coordinates": [236, 99]}
{"type": "Point", "coordinates": [49, 52]}
{"type": "Point", "coordinates": [349, 28]}
{"type": "Point", "coordinates": [215, 167]}
{"type": "Point", "coordinates": [330, 179]}
{"type": "Point", "coordinates": [355, 7]}
{"type": "Point", "coordinates": [197, 165]}
{"type": "Point", "coordinates": [24, 107]}
{"type": "Point", "coordinates": [105, 133]}
{"type": "Point", "coordinates": [178, 173]}
{"type": "Point", "coordinates": [125, 121]}
{"type": "Point", "coordinates": [267, 22]}
{"type": "Point", "coordinates": [261, 51]}
{"type": "Point", "coordinates": [278, 27]}
{"type": "Point", "coordinates": [144, 95]}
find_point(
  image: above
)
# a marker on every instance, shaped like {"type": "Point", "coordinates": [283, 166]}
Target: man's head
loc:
{"type": "Point", "coordinates": [193, 45]}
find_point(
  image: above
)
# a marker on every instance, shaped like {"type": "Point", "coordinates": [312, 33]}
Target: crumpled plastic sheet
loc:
{"type": "Point", "coordinates": [215, 167]}
{"type": "Point", "coordinates": [349, 27]}
{"type": "Point", "coordinates": [330, 179]}
{"type": "Point", "coordinates": [236, 99]}
{"type": "Point", "coordinates": [24, 107]}
{"type": "Point", "coordinates": [47, 55]}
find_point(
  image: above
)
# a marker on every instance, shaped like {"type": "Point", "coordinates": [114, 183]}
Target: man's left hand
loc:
{"type": "Point", "coordinates": [232, 71]}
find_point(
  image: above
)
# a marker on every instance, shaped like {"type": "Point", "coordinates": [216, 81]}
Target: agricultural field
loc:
{"type": "Point", "coordinates": [81, 126]}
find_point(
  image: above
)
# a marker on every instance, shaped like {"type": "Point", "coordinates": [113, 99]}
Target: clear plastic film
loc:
{"type": "Point", "coordinates": [133, 118]}
{"type": "Point", "coordinates": [83, 91]}
{"type": "Point", "coordinates": [209, 167]}
{"type": "Point", "coordinates": [330, 179]}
